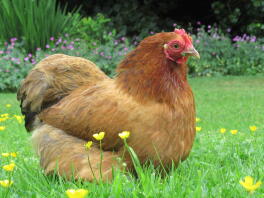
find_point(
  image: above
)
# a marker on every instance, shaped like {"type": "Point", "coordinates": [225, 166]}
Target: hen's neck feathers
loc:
{"type": "Point", "coordinates": [149, 75]}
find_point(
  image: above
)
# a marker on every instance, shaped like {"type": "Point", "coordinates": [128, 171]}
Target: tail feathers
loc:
{"type": "Point", "coordinates": [66, 155]}
{"type": "Point", "coordinates": [52, 79]}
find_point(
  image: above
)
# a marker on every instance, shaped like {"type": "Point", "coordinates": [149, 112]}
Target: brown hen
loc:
{"type": "Point", "coordinates": [67, 99]}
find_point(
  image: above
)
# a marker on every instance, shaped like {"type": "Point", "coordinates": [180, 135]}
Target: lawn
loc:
{"type": "Point", "coordinates": [217, 163]}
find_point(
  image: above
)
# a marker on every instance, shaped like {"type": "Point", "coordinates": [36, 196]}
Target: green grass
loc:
{"type": "Point", "coordinates": [216, 164]}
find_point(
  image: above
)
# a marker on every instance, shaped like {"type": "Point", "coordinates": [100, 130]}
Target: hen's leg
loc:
{"type": "Point", "coordinates": [66, 154]}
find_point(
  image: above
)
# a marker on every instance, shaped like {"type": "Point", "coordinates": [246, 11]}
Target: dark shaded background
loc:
{"type": "Point", "coordinates": [134, 16]}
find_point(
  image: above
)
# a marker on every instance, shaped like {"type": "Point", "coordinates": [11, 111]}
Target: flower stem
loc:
{"type": "Point", "coordinates": [101, 160]}
{"type": "Point", "coordinates": [89, 162]}
{"type": "Point", "coordinates": [123, 155]}
{"type": "Point", "coordinates": [8, 188]}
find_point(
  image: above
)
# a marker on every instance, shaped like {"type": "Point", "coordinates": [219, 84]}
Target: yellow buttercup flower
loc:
{"type": "Point", "coordinates": [8, 105]}
{"type": "Point", "coordinates": [88, 145]}
{"type": "Point", "coordinates": [253, 128]}
{"type": "Point", "coordinates": [79, 193]}
{"type": "Point", "coordinates": [13, 154]}
{"type": "Point", "coordinates": [198, 129]}
{"type": "Point", "coordinates": [124, 135]}
{"type": "Point", "coordinates": [6, 183]}
{"type": "Point", "coordinates": [248, 184]}
{"type": "Point", "coordinates": [9, 167]}
{"type": "Point", "coordinates": [197, 119]}
{"type": "Point", "coordinates": [222, 130]}
{"type": "Point", "coordinates": [234, 131]}
{"type": "Point", "coordinates": [5, 115]}
{"type": "Point", "coordinates": [99, 136]}
{"type": "Point", "coordinates": [19, 118]}
{"type": "Point", "coordinates": [3, 119]}
{"type": "Point", "coordinates": [5, 154]}
{"type": "Point", "coordinates": [2, 128]}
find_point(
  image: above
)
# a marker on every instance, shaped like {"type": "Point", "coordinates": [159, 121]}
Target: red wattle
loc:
{"type": "Point", "coordinates": [182, 60]}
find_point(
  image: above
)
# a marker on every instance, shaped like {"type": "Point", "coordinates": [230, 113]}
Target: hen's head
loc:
{"type": "Point", "coordinates": [177, 46]}
{"type": "Point", "coordinates": [157, 67]}
{"type": "Point", "coordinates": [180, 47]}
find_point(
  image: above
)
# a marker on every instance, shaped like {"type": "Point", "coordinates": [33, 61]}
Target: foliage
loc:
{"type": "Point", "coordinates": [34, 21]}
{"type": "Point", "coordinates": [15, 63]}
{"type": "Point", "coordinates": [222, 56]}
{"type": "Point", "coordinates": [245, 17]}
{"type": "Point", "coordinates": [107, 56]}
{"type": "Point", "coordinates": [13, 68]}
{"type": "Point", "coordinates": [132, 17]}
{"type": "Point", "coordinates": [92, 30]}
{"type": "Point", "coordinates": [135, 17]}
{"type": "Point", "coordinates": [141, 20]}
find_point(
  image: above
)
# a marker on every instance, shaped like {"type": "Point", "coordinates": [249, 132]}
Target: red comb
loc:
{"type": "Point", "coordinates": [186, 37]}
{"type": "Point", "coordinates": [180, 31]}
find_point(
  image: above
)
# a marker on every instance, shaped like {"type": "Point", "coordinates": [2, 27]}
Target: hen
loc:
{"type": "Point", "coordinates": [67, 99]}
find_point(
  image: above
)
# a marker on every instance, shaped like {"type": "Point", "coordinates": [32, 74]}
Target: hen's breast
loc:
{"type": "Point", "coordinates": [163, 132]}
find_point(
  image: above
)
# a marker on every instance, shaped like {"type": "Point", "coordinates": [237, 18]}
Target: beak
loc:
{"type": "Point", "coordinates": [191, 51]}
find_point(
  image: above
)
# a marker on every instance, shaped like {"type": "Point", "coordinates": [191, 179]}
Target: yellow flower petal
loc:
{"type": "Point", "coordinates": [234, 131]}
{"type": "Point", "coordinates": [6, 183]}
{"type": "Point", "coordinates": [19, 118]}
{"type": "Point", "coordinates": [124, 135]}
{"type": "Point", "coordinates": [13, 154]}
{"type": "Point", "coordinates": [99, 136]}
{"type": "Point", "coordinates": [4, 115]}
{"type": "Point", "coordinates": [249, 180]}
{"type": "Point", "coordinates": [198, 129]}
{"type": "Point", "coordinates": [9, 167]}
{"type": "Point", "coordinates": [2, 128]}
{"type": "Point", "coordinates": [258, 184]}
{"type": "Point", "coordinates": [222, 130]}
{"type": "Point", "coordinates": [253, 128]}
{"type": "Point", "coordinates": [8, 105]}
{"type": "Point", "coordinates": [88, 145]}
{"type": "Point", "coordinates": [197, 119]}
{"type": "Point", "coordinates": [5, 154]}
{"type": "Point", "coordinates": [248, 184]}
{"type": "Point", "coordinates": [3, 119]}
{"type": "Point", "coordinates": [79, 193]}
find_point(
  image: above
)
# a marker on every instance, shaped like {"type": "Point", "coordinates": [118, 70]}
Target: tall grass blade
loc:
{"type": "Point", "coordinates": [35, 21]}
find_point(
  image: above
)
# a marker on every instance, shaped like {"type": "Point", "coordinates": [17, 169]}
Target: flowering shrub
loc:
{"type": "Point", "coordinates": [15, 63]}
{"type": "Point", "coordinates": [220, 55]}
{"type": "Point", "coordinates": [93, 29]}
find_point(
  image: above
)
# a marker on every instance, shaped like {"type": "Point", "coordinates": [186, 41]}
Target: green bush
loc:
{"type": "Point", "coordinates": [34, 21]}
{"type": "Point", "coordinates": [13, 68]}
{"type": "Point", "coordinates": [243, 55]}
{"type": "Point", "coordinates": [243, 17]}
{"type": "Point", "coordinates": [132, 17]}
{"type": "Point", "coordinates": [220, 55]}
{"type": "Point", "coordinates": [92, 30]}
{"type": "Point", "coordinates": [15, 63]}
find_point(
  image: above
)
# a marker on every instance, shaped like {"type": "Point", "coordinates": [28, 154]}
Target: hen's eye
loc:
{"type": "Point", "coordinates": [176, 46]}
